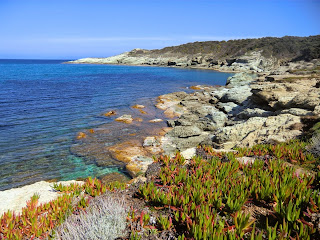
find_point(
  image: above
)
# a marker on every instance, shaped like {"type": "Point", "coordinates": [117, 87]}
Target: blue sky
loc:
{"type": "Point", "coordinates": [70, 29]}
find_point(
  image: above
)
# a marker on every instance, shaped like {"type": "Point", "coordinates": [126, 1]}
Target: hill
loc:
{"type": "Point", "coordinates": [261, 54]}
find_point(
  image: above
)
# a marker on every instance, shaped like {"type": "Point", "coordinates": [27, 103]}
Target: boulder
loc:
{"type": "Point", "coordinates": [257, 130]}
{"type": "Point", "coordinates": [297, 112]}
{"type": "Point", "coordinates": [138, 165]}
{"type": "Point", "coordinates": [228, 107]}
{"type": "Point", "coordinates": [241, 79]}
{"type": "Point", "coordinates": [255, 112]}
{"type": "Point", "coordinates": [219, 92]}
{"type": "Point", "coordinates": [237, 95]}
{"type": "Point", "coordinates": [217, 118]}
{"type": "Point", "coordinates": [306, 101]}
{"type": "Point", "coordinates": [203, 110]}
{"type": "Point", "coordinates": [171, 99]}
{"type": "Point", "coordinates": [190, 142]}
{"type": "Point", "coordinates": [285, 94]}
{"type": "Point", "coordinates": [189, 153]}
{"type": "Point", "coordinates": [184, 131]}
{"type": "Point", "coordinates": [317, 110]}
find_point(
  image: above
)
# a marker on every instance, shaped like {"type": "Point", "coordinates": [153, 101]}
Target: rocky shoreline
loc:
{"type": "Point", "coordinates": [252, 108]}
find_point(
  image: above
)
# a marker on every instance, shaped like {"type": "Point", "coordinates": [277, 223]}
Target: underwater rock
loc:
{"type": "Point", "coordinates": [138, 106]}
{"type": "Point", "coordinates": [81, 135]}
{"type": "Point", "coordinates": [125, 119]}
{"type": "Point", "coordinates": [110, 113]}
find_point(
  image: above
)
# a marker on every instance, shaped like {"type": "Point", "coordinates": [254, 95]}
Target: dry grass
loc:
{"type": "Point", "coordinates": [104, 219]}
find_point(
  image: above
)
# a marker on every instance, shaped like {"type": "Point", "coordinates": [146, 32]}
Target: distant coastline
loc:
{"type": "Point", "coordinates": [246, 55]}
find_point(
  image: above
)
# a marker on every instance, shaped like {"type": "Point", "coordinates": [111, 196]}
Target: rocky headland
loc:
{"type": "Point", "coordinates": [255, 55]}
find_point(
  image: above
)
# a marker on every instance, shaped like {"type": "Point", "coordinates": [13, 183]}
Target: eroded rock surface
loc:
{"type": "Point", "coordinates": [249, 110]}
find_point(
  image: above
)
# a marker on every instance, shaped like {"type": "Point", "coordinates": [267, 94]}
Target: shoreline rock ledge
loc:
{"type": "Point", "coordinates": [15, 199]}
{"type": "Point", "coordinates": [249, 110]}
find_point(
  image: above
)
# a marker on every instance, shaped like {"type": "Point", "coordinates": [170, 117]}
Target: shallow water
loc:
{"type": "Point", "coordinates": [43, 104]}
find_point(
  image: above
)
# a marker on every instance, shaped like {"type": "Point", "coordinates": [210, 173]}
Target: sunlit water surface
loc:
{"type": "Point", "coordinates": [44, 103]}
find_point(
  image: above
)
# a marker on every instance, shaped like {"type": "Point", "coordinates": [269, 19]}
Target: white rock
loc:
{"type": "Point", "coordinates": [125, 118]}
{"type": "Point", "coordinates": [156, 120]}
{"type": "Point", "coordinates": [297, 112]}
{"type": "Point", "coordinates": [15, 199]}
{"type": "Point", "coordinates": [246, 160]}
{"type": "Point", "coordinates": [317, 110]}
{"type": "Point", "coordinates": [189, 153]}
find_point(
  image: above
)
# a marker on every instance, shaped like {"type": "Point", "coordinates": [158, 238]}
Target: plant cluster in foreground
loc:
{"type": "Point", "coordinates": [213, 196]}
{"type": "Point", "coordinates": [105, 218]}
{"type": "Point", "coordinates": [38, 221]}
{"type": "Point", "coordinates": [219, 198]}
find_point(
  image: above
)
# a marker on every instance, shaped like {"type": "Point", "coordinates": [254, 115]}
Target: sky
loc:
{"type": "Point", "coordinates": [71, 29]}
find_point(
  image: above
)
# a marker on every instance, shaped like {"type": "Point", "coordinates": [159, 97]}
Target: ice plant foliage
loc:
{"type": "Point", "coordinates": [292, 151]}
{"type": "Point", "coordinates": [208, 197]}
{"type": "Point", "coordinates": [38, 221]}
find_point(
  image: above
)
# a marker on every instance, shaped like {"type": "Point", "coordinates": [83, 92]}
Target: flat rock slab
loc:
{"type": "Point", "coordinates": [15, 199]}
{"type": "Point", "coordinates": [185, 131]}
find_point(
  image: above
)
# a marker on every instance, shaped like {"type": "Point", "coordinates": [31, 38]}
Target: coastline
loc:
{"type": "Point", "coordinates": [217, 116]}
{"type": "Point", "coordinates": [164, 66]}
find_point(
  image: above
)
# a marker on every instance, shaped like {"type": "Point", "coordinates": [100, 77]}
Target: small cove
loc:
{"type": "Point", "coordinates": [44, 104]}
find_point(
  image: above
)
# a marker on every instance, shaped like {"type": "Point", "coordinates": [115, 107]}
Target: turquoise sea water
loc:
{"type": "Point", "coordinates": [44, 103]}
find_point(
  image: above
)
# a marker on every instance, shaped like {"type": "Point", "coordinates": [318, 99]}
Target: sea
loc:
{"type": "Point", "coordinates": [45, 103]}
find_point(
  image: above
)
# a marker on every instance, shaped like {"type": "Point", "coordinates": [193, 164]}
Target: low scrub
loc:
{"type": "Point", "coordinates": [38, 221]}
{"type": "Point", "coordinates": [314, 146]}
{"type": "Point", "coordinates": [105, 218]}
{"type": "Point", "coordinates": [218, 197]}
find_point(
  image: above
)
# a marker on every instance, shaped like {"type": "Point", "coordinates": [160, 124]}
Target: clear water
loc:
{"type": "Point", "coordinates": [44, 103]}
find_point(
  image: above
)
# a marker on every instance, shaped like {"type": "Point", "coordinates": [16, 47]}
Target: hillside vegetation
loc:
{"type": "Point", "coordinates": [288, 47]}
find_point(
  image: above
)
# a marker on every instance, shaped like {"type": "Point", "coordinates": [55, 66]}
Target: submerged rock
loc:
{"type": "Point", "coordinates": [156, 120]}
{"type": "Point", "coordinates": [110, 113]}
{"type": "Point", "coordinates": [138, 106]}
{"type": "Point", "coordinates": [81, 135]}
{"type": "Point", "coordinates": [125, 119]}
{"type": "Point", "coordinates": [126, 151]}
{"type": "Point", "coordinates": [113, 177]}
